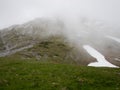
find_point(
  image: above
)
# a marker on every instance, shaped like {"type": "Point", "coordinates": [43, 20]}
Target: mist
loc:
{"type": "Point", "coordinates": [85, 20]}
{"type": "Point", "coordinates": [20, 11]}
{"type": "Point", "coordinates": [81, 17]}
{"type": "Point", "coordinates": [78, 15]}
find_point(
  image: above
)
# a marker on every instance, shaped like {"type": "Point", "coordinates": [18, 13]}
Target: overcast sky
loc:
{"type": "Point", "coordinates": [20, 11]}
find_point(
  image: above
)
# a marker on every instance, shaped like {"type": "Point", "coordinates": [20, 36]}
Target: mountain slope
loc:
{"type": "Point", "coordinates": [38, 56]}
{"type": "Point", "coordinates": [41, 31]}
{"type": "Point", "coordinates": [45, 40]}
{"type": "Point", "coordinates": [55, 50]}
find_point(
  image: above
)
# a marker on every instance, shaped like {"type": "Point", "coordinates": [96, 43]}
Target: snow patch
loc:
{"type": "Point", "coordinates": [101, 61]}
{"type": "Point", "coordinates": [114, 38]}
{"type": "Point", "coordinates": [117, 59]}
{"type": "Point", "coordinates": [9, 52]}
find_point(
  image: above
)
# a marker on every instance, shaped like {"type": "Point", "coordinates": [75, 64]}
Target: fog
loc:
{"type": "Point", "coordinates": [85, 21]}
{"type": "Point", "coordinates": [20, 11]}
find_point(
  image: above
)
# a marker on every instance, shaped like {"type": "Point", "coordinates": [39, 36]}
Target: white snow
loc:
{"type": "Point", "coordinates": [101, 61]}
{"type": "Point", "coordinates": [117, 59]}
{"type": "Point", "coordinates": [114, 38]}
{"type": "Point", "coordinates": [8, 52]}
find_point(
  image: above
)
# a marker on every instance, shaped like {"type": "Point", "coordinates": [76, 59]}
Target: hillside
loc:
{"type": "Point", "coordinates": [42, 39]}
{"type": "Point", "coordinates": [56, 50]}
{"type": "Point", "coordinates": [43, 55]}
{"type": "Point", "coordinates": [17, 74]}
{"type": "Point", "coordinates": [31, 34]}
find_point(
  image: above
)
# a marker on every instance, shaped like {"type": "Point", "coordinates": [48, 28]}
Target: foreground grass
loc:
{"type": "Point", "coordinates": [36, 75]}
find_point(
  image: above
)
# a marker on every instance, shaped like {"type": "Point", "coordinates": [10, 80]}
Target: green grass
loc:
{"type": "Point", "coordinates": [16, 74]}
